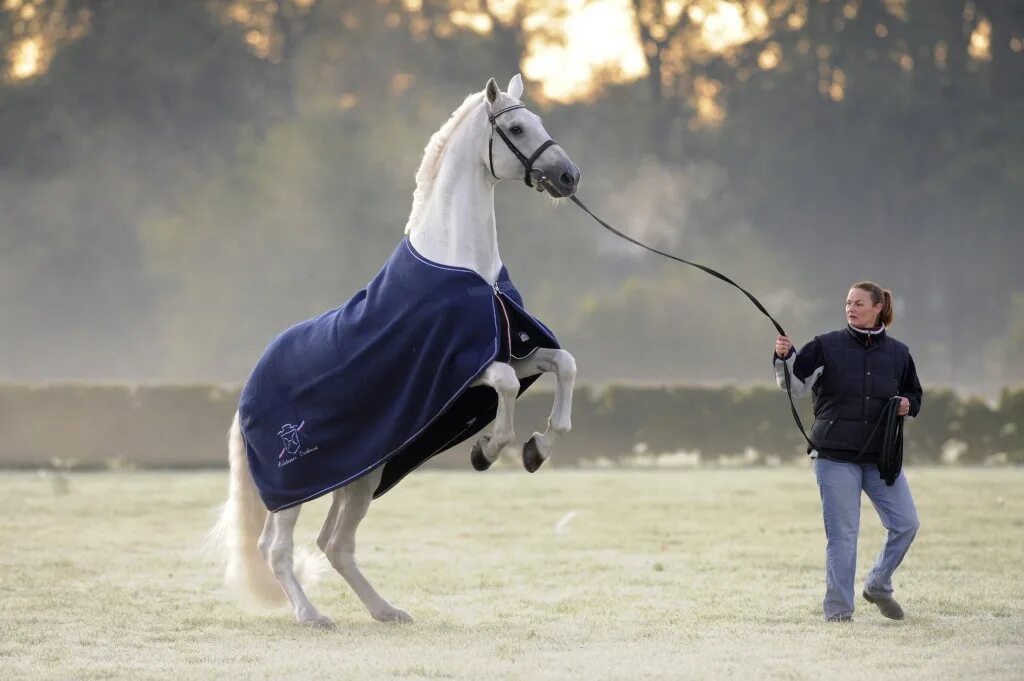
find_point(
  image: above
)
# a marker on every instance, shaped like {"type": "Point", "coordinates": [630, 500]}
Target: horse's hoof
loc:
{"type": "Point", "coordinates": [477, 458]}
{"type": "Point", "coordinates": [532, 457]}
{"type": "Point", "coordinates": [318, 622]}
{"type": "Point", "coordinates": [392, 614]}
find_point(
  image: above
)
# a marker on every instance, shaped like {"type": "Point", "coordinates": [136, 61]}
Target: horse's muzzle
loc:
{"type": "Point", "coordinates": [560, 182]}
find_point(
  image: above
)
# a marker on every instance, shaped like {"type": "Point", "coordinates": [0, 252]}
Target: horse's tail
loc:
{"type": "Point", "coordinates": [237, 532]}
{"type": "Point", "coordinates": [234, 539]}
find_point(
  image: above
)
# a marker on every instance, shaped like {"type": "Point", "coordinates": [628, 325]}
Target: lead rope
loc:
{"type": "Point", "coordinates": [890, 460]}
{"type": "Point", "coordinates": [718, 275]}
{"type": "Point", "coordinates": [528, 165]}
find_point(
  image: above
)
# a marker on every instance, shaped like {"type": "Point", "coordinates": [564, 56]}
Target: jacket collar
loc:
{"type": "Point", "coordinates": [867, 338]}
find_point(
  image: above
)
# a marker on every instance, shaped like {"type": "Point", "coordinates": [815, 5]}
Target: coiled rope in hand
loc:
{"type": "Point", "coordinates": [890, 455]}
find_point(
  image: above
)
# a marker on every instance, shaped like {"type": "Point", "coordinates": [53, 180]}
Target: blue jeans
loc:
{"type": "Point", "coordinates": [840, 485]}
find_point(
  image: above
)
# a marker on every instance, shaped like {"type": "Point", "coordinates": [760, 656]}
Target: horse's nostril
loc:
{"type": "Point", "coordinates": [568, 180]}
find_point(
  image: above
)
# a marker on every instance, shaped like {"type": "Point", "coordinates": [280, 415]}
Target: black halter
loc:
{"type": "Point", "coordinates": [527, 162]}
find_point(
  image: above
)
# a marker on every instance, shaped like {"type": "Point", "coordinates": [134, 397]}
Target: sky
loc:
{"type": "Point", "coordinates": [583, 41]}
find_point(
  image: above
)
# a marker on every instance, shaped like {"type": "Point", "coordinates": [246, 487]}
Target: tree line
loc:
{"type": "Point", "coordinates": [179, 180]}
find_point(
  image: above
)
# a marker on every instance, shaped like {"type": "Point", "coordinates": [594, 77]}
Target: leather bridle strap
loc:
{"type": "Point", "coordinates": [527, 162]}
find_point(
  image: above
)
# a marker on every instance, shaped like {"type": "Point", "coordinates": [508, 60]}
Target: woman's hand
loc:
{"type": "Point", "coordinates": [904, 407]}
{"type": "Point", "coordinates": [782, 346]}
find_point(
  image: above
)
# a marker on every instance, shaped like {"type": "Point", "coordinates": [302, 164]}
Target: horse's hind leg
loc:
{"type": "Point", "coordinates": [277, 546]}
{"type": "Point", "coordinates": [338, 541]}
{"type": "Point", "coordinates": [538, 448]}
{"type": "Point", "coordinates": [501, 377]}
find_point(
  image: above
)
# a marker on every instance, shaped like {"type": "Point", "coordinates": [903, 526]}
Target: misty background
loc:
{"type": "Point", "coordinates": [181, 180]}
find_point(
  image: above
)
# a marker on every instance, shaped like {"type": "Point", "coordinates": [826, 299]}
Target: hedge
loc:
{"type": "Point", "coordinates": [181, 426]}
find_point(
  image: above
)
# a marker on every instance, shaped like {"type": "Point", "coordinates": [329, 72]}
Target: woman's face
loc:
{"type": "Point", "coordinates": [860, 311]}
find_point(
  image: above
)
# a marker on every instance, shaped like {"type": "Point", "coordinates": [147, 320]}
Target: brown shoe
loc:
{"type": "Point", "coordinates": [887, 605]}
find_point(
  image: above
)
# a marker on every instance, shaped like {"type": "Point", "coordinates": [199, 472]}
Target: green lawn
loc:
{"type": "Point", "coordinates": [659, 574]}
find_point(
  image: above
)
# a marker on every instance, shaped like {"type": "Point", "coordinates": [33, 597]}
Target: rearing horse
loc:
{"type": "Point", "coordinates": [433, 349]}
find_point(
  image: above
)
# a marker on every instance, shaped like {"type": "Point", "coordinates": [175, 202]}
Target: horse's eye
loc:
{"type": "Point", "coordinates": [516, 130]}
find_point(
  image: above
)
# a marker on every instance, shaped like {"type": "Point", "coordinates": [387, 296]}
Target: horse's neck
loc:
{"type": "Point", "coordinates": [456, 225]}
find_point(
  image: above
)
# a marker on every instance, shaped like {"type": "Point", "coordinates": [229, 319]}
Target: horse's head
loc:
{"type": "Point", "coordinates": [521, 148]}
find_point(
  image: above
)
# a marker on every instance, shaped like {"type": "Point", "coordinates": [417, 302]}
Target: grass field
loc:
{"type": "Point", "coordinates": [678, 575]}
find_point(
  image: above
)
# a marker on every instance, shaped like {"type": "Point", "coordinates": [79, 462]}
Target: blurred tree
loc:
{"type": "Point", "coordinates": [119, 126]}
{"type": "Point", "coordinates": [180, 179]}
{"type": "Point", "coordinates": [876, 124]}
{"type": "Point", "coordinates": [1004, 354]}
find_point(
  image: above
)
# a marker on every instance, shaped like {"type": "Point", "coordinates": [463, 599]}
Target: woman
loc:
{"type": "Point", "coordinates": [853, 372]}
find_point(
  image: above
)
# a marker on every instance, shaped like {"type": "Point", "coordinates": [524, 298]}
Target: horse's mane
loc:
{"type": "Point", "coordinates": [433, 153]}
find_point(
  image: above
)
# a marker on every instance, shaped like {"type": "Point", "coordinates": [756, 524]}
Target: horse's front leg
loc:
{"type": "Point", "coordinates": [538, 448]}
{"type": "Point", "coordinates": [502, 377]}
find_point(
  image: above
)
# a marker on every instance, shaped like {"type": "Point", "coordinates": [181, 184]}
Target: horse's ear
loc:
{"type": "Point", "coordinates": [515, 86]}
{"type": "Point", "coordinates": [492, 91]}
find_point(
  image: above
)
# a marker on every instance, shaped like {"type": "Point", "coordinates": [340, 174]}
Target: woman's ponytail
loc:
{"type": "Point", "coordinates": [885, 316]}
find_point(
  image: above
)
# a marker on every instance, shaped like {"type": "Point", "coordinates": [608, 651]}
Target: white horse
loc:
{"type": "Point", "coordinates": [452, 223]}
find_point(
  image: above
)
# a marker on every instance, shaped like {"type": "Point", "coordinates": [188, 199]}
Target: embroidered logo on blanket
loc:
{"type": "Point", "coordinates": [292, 436]}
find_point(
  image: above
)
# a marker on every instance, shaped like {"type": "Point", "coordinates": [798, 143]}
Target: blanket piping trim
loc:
{"type": "Point", "coordinates": [454, 268]}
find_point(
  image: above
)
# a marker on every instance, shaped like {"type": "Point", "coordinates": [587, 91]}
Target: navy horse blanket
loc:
{"type": "Point", "coordinates": [383, 380]}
